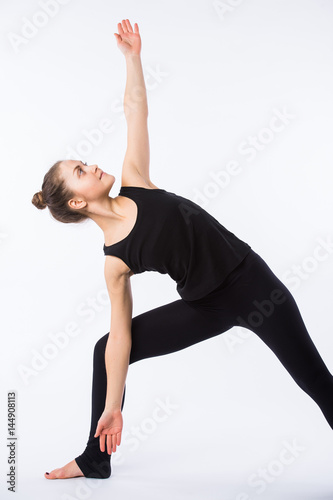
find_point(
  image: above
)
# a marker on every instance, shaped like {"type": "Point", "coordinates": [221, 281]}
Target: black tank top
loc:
{"type": "Point", "coordinates": [173, 235]}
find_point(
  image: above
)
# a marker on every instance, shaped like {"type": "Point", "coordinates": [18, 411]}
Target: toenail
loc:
{"type": "Point", "coordinates": [47, 473]}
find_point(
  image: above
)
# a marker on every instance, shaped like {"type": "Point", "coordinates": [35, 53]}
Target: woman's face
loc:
{"type": "Point", "coordinates": [88, 182]}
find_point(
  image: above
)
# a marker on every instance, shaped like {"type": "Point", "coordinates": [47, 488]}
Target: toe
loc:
{"type": "Point", "coordinates": [54, 474]}
{"type": "Point", "coordinates": [68, 471]}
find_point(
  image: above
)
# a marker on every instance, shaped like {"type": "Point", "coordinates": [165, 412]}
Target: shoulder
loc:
{"type": "Point", "coordinates": [132, 177]}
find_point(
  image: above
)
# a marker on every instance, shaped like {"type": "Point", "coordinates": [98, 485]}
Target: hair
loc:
{"type": "Point", "coordinates": [55, 195]}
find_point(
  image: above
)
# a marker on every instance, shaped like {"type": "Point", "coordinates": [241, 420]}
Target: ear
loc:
{"type": "Point", "coordinates": [78, 204]}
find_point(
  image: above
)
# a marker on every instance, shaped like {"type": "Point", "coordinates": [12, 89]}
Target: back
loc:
{"type": "Point", "coordinates": [176, 236]}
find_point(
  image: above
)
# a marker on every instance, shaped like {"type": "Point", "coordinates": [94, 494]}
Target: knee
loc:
{"type": "Point", "coordinates": [99, 349]}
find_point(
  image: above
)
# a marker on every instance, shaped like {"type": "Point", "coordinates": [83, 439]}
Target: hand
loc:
{"type": "Point", "coordinates": [109, 427]}
{"type": "Point", "coordinates": [128, 42]}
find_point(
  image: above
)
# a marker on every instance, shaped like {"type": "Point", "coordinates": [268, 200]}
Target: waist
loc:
{"type": "Point", "coordinates": [231, 277]}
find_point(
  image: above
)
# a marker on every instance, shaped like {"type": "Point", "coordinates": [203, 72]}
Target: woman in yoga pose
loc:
{"type": "Point", "coordinates": [221, 280]}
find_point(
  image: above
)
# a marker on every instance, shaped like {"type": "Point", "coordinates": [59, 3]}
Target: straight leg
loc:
{"type": "Point", "coordinates": [259, 301]}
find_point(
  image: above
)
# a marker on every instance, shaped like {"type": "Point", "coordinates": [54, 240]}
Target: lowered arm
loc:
{"type": "Point", "coordinates": [119, 342]}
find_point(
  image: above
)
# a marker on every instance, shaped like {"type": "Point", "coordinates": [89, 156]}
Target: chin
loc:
{"type": "Point", "coordinates": [110, 177]}
{"type": "Point", "coordinates": [111, 181]}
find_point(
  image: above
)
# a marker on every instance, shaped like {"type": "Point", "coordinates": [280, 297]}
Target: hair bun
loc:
{"type": "Point", "coordinates": [38, 200]}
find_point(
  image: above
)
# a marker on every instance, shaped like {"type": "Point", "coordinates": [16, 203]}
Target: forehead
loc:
{"type": "Point", "coordinates": [69, 165]}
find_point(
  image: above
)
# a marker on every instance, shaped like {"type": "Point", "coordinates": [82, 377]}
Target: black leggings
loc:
{"type": "Point", "coordinates": [252, 297]}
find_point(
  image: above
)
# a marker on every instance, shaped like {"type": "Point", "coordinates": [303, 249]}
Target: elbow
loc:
{"type": "Point", "coordinates": [120, 337]}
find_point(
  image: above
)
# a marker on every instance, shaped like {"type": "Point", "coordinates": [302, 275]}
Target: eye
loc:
{"type": "Point", "coordinates": [80, 169]}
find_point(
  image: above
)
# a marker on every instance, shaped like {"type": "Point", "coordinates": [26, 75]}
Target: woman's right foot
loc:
{"type": "Point", "coordinates": [67, 471]}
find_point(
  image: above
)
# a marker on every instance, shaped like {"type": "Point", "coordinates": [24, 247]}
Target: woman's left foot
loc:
{"type": "Point", "coordinates": [67, 471]}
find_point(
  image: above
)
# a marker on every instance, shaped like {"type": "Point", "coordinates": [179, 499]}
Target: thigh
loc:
{"type": "Point", "coordinates": [267, 307]}
{"type": "Point", "coordinates": [173, 327]}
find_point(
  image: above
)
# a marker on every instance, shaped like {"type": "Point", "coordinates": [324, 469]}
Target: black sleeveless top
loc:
{"type": "Point", "coordinates": [176, 236]}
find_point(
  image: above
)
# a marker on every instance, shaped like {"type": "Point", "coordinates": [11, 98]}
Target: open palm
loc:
{"type": "Point", "coordinates": [129, 41]}
{"type": "Point", "coordinates": [109, 428]}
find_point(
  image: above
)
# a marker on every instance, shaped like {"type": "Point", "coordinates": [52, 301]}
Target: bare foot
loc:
{"type": "Point", "coordinates": [69, 470]}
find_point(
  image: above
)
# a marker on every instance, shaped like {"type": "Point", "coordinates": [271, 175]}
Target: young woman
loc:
{"type": "Point", "coordinates": [221, 280]}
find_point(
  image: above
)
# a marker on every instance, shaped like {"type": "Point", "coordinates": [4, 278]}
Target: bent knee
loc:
{"type": "Point", "coordinates": [101, 345]}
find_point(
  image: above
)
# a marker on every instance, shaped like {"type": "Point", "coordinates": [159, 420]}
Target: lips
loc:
{"type": "Point", "coordinates": [101, 175]}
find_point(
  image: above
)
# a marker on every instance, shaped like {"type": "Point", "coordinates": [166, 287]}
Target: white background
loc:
{"type": "Point", "coordinates": [224, 70]}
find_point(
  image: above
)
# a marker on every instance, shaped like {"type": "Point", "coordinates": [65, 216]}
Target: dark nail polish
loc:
{"type": "Point", "coordinates": [47, 473]}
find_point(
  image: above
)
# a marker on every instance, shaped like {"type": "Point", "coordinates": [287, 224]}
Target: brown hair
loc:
{"type": "Point", "coordinates": [55, 195]}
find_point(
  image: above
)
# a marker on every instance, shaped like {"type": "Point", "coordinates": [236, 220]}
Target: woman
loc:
{"type": "Point", "coordinates": [221, 280]}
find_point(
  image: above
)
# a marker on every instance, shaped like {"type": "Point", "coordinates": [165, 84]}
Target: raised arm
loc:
{"type": "Point", "coordinates": [135, 104]}
{"type": "Point", "coordinates": [117, 353]}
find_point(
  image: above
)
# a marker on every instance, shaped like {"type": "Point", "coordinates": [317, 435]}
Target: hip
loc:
{"type": "Point", "coordinates": [252, 277]}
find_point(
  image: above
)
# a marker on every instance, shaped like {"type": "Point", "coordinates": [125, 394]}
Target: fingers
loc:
{"type": "Point", "coordinates": [118, 438]}
{"type": "Point", "coordinates": [102, 442]}
{"type": "Point", "coordinates": [112, 441]}
{"type": "Point", "coordinates": [128, 25]}
{"type": "Point", "coordinates": [120, 29]}
{"type": "Point", "coordinates": [125, 27]}
{"type": "Point", "coordinates": [109, 443]}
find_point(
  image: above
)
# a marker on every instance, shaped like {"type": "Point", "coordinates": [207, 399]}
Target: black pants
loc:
{"type": "Point", "coordinates": [251, 296]}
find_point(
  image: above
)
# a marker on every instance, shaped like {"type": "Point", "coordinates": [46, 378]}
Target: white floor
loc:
{"type": "Point", "coordinates": [228, 467]}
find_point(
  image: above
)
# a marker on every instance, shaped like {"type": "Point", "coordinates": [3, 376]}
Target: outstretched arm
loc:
{"type": "Point", "coordinates": [135, 104]}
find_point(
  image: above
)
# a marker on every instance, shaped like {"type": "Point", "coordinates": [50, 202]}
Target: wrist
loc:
{"type": "Point", "coordinates": [112, 409]}
{"type": "Point", "coordinates": [132, 56]}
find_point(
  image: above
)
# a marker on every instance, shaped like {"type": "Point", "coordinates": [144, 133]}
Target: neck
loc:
{"type": "Point", "coordinates": [104, 213]}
